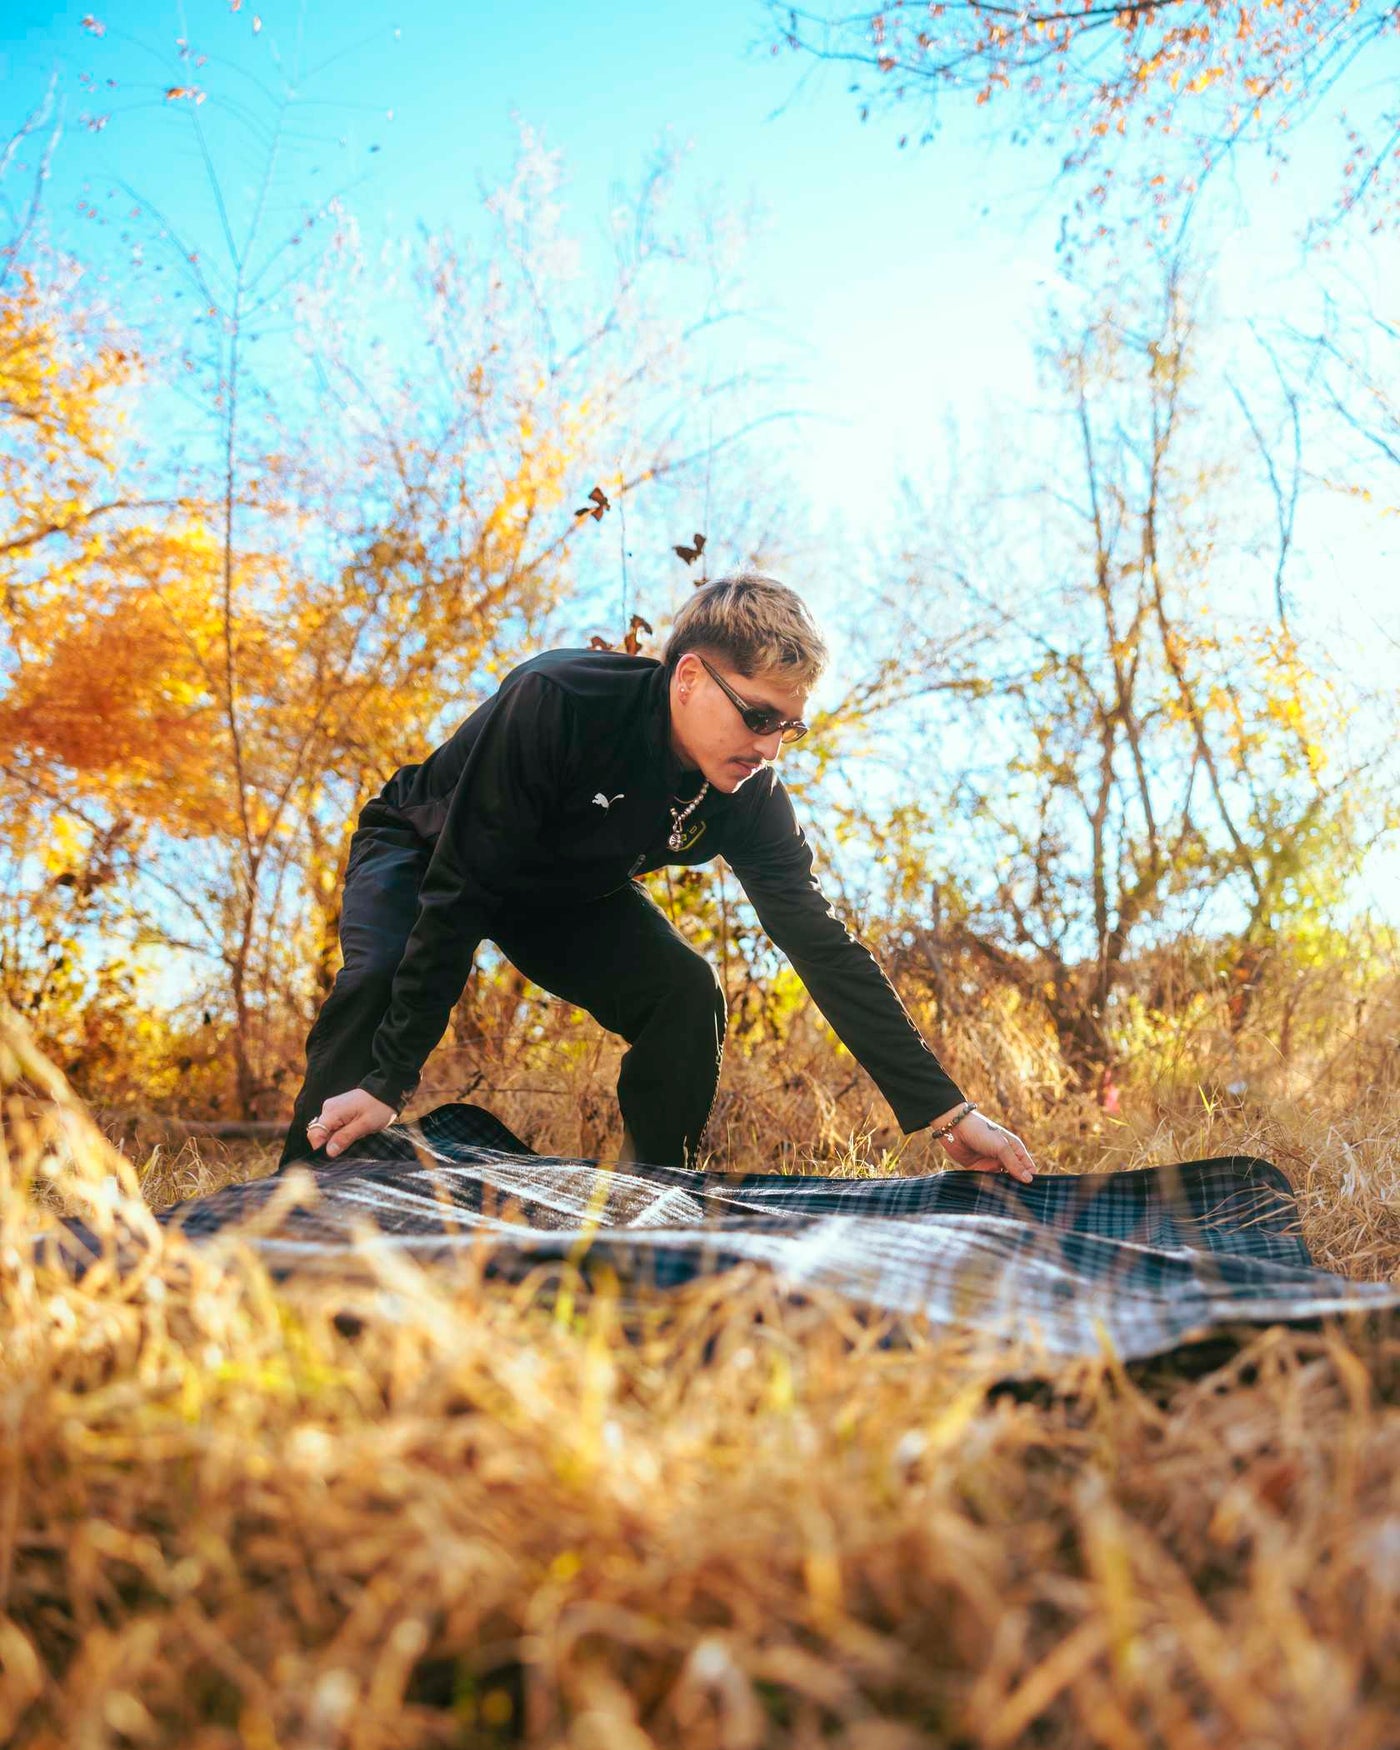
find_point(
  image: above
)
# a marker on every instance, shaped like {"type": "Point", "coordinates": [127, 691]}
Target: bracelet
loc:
{"type": "Point", "coordinates": [952, 1124]}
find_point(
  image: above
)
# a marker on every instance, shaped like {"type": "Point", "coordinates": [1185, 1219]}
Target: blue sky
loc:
{"type": "Point", "coordinates": [904, 290]}
{"type": "Point", "coordinates": [864, 256]}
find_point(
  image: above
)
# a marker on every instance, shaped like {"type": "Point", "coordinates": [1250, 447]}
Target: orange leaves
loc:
{"type": "Point", "coordinates": [116, 681]}
{"type": "Point", "coordinates": [192, 93]}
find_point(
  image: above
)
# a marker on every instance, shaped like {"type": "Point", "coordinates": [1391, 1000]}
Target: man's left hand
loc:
{"type": "Point", "coordinates": [986, 1147]}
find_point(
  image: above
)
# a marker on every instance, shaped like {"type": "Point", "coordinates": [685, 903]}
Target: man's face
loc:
{"type": "Point", "coordinates": [709, 733]}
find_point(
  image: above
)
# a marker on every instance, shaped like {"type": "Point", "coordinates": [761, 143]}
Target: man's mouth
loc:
{"type": "Point", "coordinates": [748, 767]}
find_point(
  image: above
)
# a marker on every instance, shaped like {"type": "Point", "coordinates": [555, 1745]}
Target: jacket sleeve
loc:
{"type": "Point", "coordinates": [773, 862]}
{"type": "Point", "coordinates": [503, 803]}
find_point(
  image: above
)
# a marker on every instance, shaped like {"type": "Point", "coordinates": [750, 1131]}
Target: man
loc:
{"type": "Point", "coordinates": [529, 827]}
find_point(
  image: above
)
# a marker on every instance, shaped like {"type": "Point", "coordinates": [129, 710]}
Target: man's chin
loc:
{"type": "Point", "coordinates": [729, 776]}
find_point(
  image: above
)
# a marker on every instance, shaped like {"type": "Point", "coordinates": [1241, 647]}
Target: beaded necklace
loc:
{"type": "Point", "coordinates": [679, 816]}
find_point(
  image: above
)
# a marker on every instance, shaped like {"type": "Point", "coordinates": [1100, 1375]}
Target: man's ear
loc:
{"type": "Point", "coordinates": [687, 669]}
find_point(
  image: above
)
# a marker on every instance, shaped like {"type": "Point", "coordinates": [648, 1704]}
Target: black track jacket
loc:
{"type": "Point", "coordinates": [558, 790]}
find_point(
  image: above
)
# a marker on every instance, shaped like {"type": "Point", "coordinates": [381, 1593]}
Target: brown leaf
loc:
{"type": "Point", "coordinates": [691, 554]}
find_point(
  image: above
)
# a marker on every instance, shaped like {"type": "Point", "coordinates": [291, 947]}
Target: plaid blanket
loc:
{"type": "Point", "coordinates": [1141, 1262]}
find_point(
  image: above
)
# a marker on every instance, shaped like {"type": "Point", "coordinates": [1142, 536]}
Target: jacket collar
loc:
{"type": "Point", "coordinates": [674, 775]}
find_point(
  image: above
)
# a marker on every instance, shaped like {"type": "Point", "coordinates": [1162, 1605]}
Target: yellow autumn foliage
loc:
{"type": "Point", "coordinates": [63, 374]}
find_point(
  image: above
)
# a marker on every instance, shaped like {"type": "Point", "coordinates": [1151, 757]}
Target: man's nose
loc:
{"type": "Point", "coordinates": [768, 748]}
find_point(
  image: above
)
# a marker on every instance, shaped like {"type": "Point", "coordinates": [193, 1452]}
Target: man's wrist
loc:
{"type": "Point", "coordinates": [951, 1119]}
{"type": "Point", "coordinates": [388, 1093]}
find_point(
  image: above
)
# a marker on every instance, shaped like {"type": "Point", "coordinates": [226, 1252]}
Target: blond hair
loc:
{"type": "Point", "coordinates": [756, 624]}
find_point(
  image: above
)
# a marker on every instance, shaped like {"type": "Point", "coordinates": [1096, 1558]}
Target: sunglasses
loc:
{"type": "Point", "coordinates": [760, 719]}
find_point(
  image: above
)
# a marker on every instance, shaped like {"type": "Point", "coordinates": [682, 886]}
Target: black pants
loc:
{"type": "Point", "coordinates": [619, 958]}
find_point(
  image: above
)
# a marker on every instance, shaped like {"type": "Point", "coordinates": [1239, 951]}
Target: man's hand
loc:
{"type": "Point", "coordinates": [987, 1148]}
{"type": "Point", "coordinates": [346, 1118]}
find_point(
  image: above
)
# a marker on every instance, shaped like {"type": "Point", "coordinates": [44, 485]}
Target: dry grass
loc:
{"type": "Point", "coordinates": [232, 1515]}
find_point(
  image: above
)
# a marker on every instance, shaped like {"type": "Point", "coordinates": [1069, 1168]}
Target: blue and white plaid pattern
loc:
{"type": "Point", "coordinates": [1141, 1261]}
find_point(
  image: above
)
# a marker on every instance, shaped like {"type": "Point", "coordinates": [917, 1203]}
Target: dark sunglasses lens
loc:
{"type": "Point", "coordinates": [763, 722]}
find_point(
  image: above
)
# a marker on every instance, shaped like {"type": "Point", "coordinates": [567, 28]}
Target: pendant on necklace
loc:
{"type": "Point", "coordinates": [679, 816]}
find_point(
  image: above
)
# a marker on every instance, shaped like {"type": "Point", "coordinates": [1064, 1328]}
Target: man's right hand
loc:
{"type": "Point", "coordinates": [346, 1118]}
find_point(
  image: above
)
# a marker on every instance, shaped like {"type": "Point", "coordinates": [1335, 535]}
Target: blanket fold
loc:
{"type": "Point", "coordinates": [1140, 1261]}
